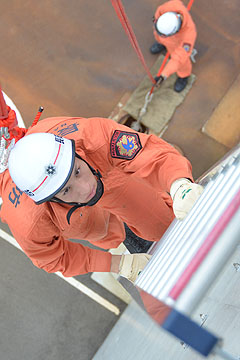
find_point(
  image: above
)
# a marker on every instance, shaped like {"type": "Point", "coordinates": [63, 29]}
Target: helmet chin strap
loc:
{"type": "Point", "coordinates": [91, 202]}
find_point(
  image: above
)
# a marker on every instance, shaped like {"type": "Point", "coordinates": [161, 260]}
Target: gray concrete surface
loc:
{"type": "Point", "coordinates": [44, 318]}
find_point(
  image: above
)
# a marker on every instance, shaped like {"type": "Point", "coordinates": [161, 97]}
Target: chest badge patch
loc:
{"type": "Point", "coordinates": [186, 47]}
{"type": "Point", "coordinates": [125, 145]}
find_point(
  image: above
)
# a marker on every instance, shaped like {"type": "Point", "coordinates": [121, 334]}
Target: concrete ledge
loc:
{"type": "Point", "coordinates": [224, 123]}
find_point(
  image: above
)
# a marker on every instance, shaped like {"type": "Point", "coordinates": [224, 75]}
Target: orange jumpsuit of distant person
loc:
{"type": "Point", "coordinates": [179, 45]}
{"type": "Point", "coordinates": [137, 171]}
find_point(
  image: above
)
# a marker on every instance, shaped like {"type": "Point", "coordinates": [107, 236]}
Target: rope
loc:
{"type": "Point", "coordinates": [37, 117]}
{"type": "Point", "coordinates": [118, 6]}
{"type": "Point", "coordinates": [8, 121]}
{"type": "Point", "coordinates": [189, 5]}
{"type": "Point", "coordinates": [10, 132]}
{"type": "Point", "coordinates": [3, 107]}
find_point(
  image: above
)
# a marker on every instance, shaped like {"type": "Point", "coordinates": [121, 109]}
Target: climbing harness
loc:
{"type": "Point", "coordinates": [118, 6]}
{"type": "Point", "coordinates": [10, 133]}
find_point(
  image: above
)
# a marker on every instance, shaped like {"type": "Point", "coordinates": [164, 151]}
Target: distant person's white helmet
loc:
{"type": "Point", "coordinates": [41, 164]}
{"type": "Point", "coordinates": [168, 24]}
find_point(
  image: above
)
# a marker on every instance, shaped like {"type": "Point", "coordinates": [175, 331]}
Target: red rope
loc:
{"type": "Point", "coordinates": [37, 117]}
{"type": "Point", "coordinates": [8, 119]}
{"type": "Point", "coordinates": [17, 133]}
{"type": "Point", "coordinates": [3, 107]}
{"type": "Point", "coordinates": [118, 6]}
{"type": "Point", "coordinates": [189, 5]}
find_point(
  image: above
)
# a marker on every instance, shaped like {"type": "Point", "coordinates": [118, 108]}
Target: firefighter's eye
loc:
{"type": "Point", "coordinates": [66, 190]}
{"type": "Point", "coordinates": [77, 171]}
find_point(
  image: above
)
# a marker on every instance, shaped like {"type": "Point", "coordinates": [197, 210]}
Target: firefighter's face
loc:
{"type": "Point", "coordinates": [82, 185]}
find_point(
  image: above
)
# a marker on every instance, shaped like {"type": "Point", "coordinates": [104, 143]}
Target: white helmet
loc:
{"type": "Point", "coordinates": [41, 164]}
{"type": "Point", "coordinates": [168, 24]}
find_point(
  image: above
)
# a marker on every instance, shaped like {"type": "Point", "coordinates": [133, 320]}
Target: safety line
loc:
{"type": "Point", "coordinates": [70, 280]}
{"type": "Point", "coordinates": [121, 13]}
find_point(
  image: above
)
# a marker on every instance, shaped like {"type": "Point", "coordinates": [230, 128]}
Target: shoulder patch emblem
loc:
{"type": "Point", "coordinates": [186, 47]}
{"type": "Point", "coordinates": [125, 145]}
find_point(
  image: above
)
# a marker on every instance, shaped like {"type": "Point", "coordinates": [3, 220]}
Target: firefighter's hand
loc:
{"type": "Point", "coordinates": [131, 265]}
{"type": "Point", "coordinates": [159, 80]}
{"type": "Point", "coordinates": [184, 194]}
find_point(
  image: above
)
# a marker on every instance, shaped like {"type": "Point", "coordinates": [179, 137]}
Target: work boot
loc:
{"type": "Point", "coordinates": [180, 84]}
{"type": "Point", "coordinates": [156, 48]}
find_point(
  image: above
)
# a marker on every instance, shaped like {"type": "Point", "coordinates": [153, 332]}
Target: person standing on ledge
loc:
{"type": "Point", "coordinates": [175, 31]}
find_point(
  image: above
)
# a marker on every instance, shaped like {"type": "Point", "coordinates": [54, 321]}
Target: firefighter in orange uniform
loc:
{"type": "Point", "coordinates": [77, 178]}
{"type": "Point", "coordinates": [175, 30]}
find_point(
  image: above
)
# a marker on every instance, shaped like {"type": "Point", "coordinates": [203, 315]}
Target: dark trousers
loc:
{"type": "Point", "coordinates": [134, 243]}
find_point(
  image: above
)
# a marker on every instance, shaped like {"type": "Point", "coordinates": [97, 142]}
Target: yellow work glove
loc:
{"type": "Point", "coordinates": [131, 265]}
{"type": "Point", "coordinates": [184, 194]}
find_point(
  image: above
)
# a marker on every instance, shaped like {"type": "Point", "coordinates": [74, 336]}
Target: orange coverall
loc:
{"type": "Point", "coordinates": [179, 45]}
{"type": "Point", "coordinates": [137, 172]}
